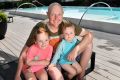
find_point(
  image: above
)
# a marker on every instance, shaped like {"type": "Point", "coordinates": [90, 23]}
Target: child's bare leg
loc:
{"type": "Point", "coordinates": [77, 67]}
{"type": "Point", "coordinates": [29, 75]}
{"type": "Point", "coordinates": [55, 73]}
{"type": "Point", "coordinates": [42, 74]}
{"type": "Point", "coordinates": [70, 69]}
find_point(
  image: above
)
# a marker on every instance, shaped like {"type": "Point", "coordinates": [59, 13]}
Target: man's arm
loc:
{"type": "Point", "coordinates": [87, 38]}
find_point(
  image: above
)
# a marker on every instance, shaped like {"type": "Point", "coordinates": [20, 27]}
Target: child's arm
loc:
{"type": "Point", "coordinates": [57, 54]}
{"type": "Point", "coordinates": [30, 60]}
{"type": "Point", "coordinates": [51, 65]}
{"type": "Point", "coordinates": [46, 62]}
{"type": "Point", "coordinates": [38, 62]}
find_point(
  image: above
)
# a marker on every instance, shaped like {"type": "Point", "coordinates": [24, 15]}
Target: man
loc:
{"type": "Point", "coordinates": [54, 27]}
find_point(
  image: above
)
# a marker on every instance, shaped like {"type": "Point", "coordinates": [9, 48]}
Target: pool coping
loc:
{"type": "Point", "coordinates": [92, 24]}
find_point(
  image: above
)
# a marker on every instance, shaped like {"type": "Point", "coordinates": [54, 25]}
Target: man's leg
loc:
{"type": "Point", "coordinates": [85, 57]}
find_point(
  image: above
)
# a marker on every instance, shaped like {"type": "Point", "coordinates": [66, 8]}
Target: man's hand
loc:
{"type": "Point", "coordinates": [73, 54]}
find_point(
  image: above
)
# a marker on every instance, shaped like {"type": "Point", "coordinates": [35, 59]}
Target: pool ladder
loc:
{"type": "Point", "coordinates": [108, 18]}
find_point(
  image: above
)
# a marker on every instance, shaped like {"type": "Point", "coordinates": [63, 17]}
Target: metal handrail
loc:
{"type": "Point", "coordinates": [92, 6]}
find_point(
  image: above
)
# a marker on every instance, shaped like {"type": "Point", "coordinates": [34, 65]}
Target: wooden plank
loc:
{"type": "Point", "coordinates": [103, 74]}
{"type": "Point", "coordinates": [107, 36]}
{"type": "Point", "coordinates": [17, 38]}
{"type": "Point", "coordinates": [106, 48]}
{"type": "Point", "coordinates": [89, 78]}
{"type": "Point", "coordinates": [20, 36]}
{"type": "Point", "coordinates": [107, 55]}
{"type": "Point", "coordinates": [107, 75]}
{"type": "Point", "coordinates": [107, 69]}
{"type": "Point", "coordinates": [5, 54]}
{"type": "Point", "coordinates": [104, 70]}
{"type": "Point", "coordinates": [108, 52]}
{"type": "Point", "coordinates": [113, 66]}
{"type": "Point", "coordinates": [15, 51]}
{"type": "Point", "coordinates": [18, 46]}
{"type": "Point", "coordinates": [98, 76]}
{"type": "Point", "coordinates": [14, 43]}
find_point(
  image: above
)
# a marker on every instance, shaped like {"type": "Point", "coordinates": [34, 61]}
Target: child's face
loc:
{"type": "Point", "coordinates": [42, 40]}
{"type": "Point", "coordinates": [69, 33]}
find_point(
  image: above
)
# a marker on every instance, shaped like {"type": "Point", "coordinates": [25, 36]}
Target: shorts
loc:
{"type": "Point", "coordinates": [78, 58]}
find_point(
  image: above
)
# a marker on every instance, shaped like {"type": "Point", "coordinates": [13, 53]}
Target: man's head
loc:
{"type": "Point", "coordinates": [55, 14]}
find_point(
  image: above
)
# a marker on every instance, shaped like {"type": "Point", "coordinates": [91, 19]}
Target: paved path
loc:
{"type": "Point", "coordinates": [106, 46]}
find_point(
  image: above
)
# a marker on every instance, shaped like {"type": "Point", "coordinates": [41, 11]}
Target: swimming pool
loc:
{"type": "Point", "coordinates": [94, 17]}
{"type": "Point", "coordinates": [94, 13]}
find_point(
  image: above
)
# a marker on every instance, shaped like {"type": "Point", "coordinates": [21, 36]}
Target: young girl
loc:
{"type": "Point", "coordinates": [68, 42]}
{"type": "Point", "coordinates": [38, 56]}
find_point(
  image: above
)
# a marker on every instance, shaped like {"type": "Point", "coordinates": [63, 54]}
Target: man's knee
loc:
{"type": "Point", "coordinates": [32, 78]}
{"type": "Point", "coordinates": [58, 78]}
{"type": "Point", "coordinates": [89, 47]}
{"type": "Point", "coordinates": [79, 70]}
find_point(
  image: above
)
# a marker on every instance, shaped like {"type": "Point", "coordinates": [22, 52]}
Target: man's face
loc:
{"type": "Point", "coordinates": [55, 16]}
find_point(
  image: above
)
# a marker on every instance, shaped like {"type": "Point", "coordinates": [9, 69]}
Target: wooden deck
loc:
{"type": "Point", "coordinates": [106, 46]}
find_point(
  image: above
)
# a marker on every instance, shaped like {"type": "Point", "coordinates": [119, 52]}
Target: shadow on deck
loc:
{"type": "Point", "coordinates": [8, 66]}
{"type": "Point", "coordinates": [8, 70]}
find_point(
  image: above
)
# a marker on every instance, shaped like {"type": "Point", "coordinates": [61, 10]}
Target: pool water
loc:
{"type": "Point", "coordinates": [93, 13]}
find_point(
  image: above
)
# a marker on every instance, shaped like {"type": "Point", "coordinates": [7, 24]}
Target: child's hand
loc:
{"type": "Point", "coordinates": [51, 65]}
{"type": "Point", "coordinates": [29, 70]}
{"type": "Point", "coordinates": [73, 54]}
{"type": "Point", "coordinates": [17, 78]}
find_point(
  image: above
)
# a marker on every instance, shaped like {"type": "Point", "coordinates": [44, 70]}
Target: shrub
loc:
{"type": "Point", "coordinates": [3, 17]}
